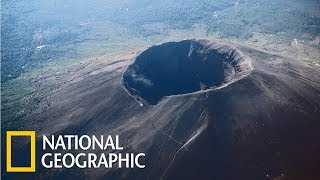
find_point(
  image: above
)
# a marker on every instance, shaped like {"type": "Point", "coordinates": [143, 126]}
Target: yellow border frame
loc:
{"type": "Point", "coordinates": [32, 134]}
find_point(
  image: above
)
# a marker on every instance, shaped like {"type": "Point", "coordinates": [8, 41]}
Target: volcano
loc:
{"type": "Point", "coordinates": [198, 109]}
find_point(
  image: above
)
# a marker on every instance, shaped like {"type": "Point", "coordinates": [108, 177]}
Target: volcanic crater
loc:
{"type": "Point", "coordinates": [188, 66]}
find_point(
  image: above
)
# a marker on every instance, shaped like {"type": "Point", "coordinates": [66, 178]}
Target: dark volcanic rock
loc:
{"type": "Point", "coordinates": [183, 67]}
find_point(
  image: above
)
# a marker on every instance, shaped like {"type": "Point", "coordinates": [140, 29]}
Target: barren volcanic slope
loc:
{"type": "Point", "coordinates": [184, 67]}
{"type": "Point", "coordinates": [264, 125]}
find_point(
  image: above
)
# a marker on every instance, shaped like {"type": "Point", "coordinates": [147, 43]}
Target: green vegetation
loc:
{"type": "Point", "coordinates": [35, 33]}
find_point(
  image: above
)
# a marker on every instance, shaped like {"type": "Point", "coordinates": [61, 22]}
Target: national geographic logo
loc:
{"type": "Point", "coordinates": [68, 151]}
{"type": "Point", "coordinates": [32, 135]}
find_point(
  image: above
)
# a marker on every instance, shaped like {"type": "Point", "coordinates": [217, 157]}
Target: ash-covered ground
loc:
{"type": "Point", "coordinates": [263, 125]}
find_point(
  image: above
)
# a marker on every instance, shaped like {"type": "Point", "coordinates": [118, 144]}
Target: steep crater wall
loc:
{"type": "Point", "coordinates": [187, 66]}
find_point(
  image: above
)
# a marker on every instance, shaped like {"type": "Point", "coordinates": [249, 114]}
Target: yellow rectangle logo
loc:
{"type": "Point", "coordinates": [32, 135]}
